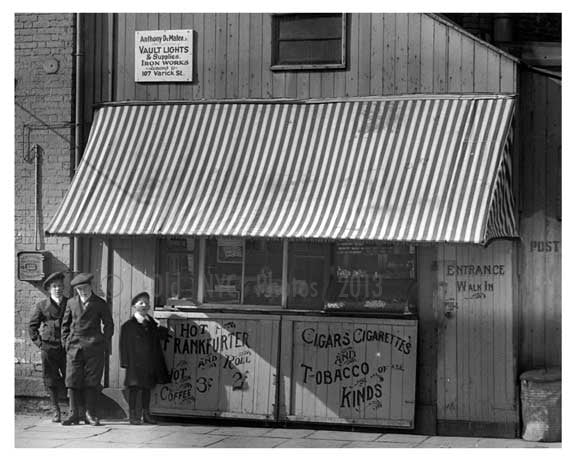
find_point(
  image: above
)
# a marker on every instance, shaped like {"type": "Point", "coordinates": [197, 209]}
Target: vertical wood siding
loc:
{"type": "Point", "coordinates": [387, 54]}
{"type": "Point", "coordinates": [540, 222]}
{"type": "Point", "coordinates": [234, 376]}
{"type": "Point", "coordinates": [347, 370]}
{"type": "Point", "coordinates": [476, 343]}
{"type": "Point", "coordinates": [427, 341]}
{"type": "Point", "coordinates": [132, 268]}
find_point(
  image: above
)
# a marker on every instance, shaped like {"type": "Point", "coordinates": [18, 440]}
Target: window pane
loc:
{"type": "Point", "coordinates": [263, 272]}
{"type": "Point", "coordinates": [308, 39]}
{"type": "Point", "coordinates": [374, 275]}
{"type": "Point", "coordinates": [310, 52]}
{"type": "Point", "coordinates": [309, 26]}
{"type": "Point", "coordinates": [177, 278]}
{"type": "Point", "coordinates": [223, 273]}
{"type": "Point", "coordinates": [307, 280]}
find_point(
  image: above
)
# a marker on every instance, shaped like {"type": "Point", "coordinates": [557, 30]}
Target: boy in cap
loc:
{"type": "Point", "coordinates": [87, 328]}
{"type": "Point", "coordinates": [141, 356]}
{"type": "Point", "coordinates": [44, 330]}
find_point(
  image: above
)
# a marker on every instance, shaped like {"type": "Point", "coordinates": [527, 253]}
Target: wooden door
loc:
{"type": "Point", "coordinates": [476, 369]}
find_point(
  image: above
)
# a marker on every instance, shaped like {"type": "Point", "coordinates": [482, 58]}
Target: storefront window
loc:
{"type": "Point", "coordinates": [308, 265]}
{"type": "Point", "coordinates": [263, 272]}
{"type": "Point", "coordinates": [243, 271]}
{"type": "Point", "coordinates": [177, 280]}
{"type": "Point", "coordinates": [373, 275]}
{"type": "Point", "coordinates": [321, 275]}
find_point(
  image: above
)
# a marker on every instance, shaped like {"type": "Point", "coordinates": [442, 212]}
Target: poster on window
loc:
{"type": "Point", "coordinates": [229, 251]}
{"type": "Point", "coordinates": [163, 56]}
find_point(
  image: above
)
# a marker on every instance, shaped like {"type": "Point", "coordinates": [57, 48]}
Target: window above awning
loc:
{"type": "Point", "coordinates": [417, 168]}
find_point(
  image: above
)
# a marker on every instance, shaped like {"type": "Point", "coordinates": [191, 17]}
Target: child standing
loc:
{"type": "Point", "coordinates": [141, 356]}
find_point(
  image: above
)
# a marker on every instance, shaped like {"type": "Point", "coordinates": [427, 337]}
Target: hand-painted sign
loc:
{"type": "Point", "coordinates": [354, 371]}
{"type": "Point", "coordinates": [219, 366]}
{"type": "Point", "coordinates": [545, 246]}
{"type": "Point", "coordinates": [163, 56]}
{"type": "Point", "coordinates": [475, 281]}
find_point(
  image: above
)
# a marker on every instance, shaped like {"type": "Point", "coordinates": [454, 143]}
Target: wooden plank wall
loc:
{"type": "Point", "coordinates": [387, 54]}
{"type": "Point", "coordinates": [235, 377]}
{"type": "Point", "coordinates": [343, 370]}
{"type": "Point", "coordinates": [476, 357]}
{"type": "Point", "coordinates": [540, 222]}
{"type": "Point", "coordinates": [427, 359]}
{"type": "Point", "coordinates": [132, 268]}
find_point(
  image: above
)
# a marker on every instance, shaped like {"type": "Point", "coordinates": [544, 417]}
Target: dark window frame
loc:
{"type": "Point", "coordinates": [306, 66]}
{"type": "Point", "coordinates": [163, 278]}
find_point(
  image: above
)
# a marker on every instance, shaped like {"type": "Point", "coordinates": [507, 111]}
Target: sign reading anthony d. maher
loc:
{"type": "Point", "coordinates": [163, 56]}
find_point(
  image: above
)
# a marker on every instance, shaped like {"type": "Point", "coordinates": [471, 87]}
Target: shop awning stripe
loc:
{"type": "Point", "coordinates": [426, 168]}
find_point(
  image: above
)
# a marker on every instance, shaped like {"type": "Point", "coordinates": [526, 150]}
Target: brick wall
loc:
{"type": "Point", "coordinates": [44, 115]}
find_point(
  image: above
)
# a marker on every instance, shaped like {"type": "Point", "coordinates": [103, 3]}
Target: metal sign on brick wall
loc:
{"type": "Point", "coordinates": [163, 56]}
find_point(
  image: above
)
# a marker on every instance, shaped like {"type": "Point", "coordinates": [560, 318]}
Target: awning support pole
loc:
{"type": "Point", "coordinates": [284, 301]}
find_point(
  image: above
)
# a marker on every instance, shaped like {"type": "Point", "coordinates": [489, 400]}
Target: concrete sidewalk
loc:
{"type": "Point", "coordinates": [39, 432]}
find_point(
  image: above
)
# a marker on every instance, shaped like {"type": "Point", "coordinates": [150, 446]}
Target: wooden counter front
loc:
{"type": "Point", "coordinates": [349, 370]}
{"type": "Point", "coordinates": [221, 365]}
{"type": "Point", "coordinates": [334, 368]}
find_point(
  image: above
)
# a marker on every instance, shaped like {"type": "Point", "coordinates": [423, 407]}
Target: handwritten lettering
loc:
{"type": "Point", "coordinates": [209, 345]}
{"type": "Point", "coordinates": [345, 357]}
{"type": "Point", "coordinates": [359, 335]}
{"type": "Point", "coordinates": [471, 269]}
{"type": "Point", "coordinates": [190, 330]}
{"type": "Point", "coordinates": [350, 398]}
{"type": "Point", "coordinates": [333, 376]}
{"type": "Point", "coordinates": [232, 361]}
{"type": "Point", "coordinates": [183, 394]}
{"type": "Point", "coordinates": [321, 340]}
{"type": "Point", "coordinates": [208, 362]}
{"type": "Point", "coordinates": [545, 246]}
{"type": "Point", "coordinates": [179, 375]}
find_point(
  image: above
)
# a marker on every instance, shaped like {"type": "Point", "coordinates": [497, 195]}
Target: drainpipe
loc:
{"type": "Point", "coordinates": [78, 124]}
{"type": "Point", "coordinates": [37, 192]}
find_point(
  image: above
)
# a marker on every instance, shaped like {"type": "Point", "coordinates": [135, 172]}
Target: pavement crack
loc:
{"type": "Point", "coordinates": [97, 434]}
{"type": "Point", "coordinates": [214, 443]}
{"type": "Point", "coordinates": [421, 442]}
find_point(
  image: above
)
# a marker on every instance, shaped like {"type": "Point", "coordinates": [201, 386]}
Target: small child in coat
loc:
{"type": "Point", "coordinates": [141, 355]}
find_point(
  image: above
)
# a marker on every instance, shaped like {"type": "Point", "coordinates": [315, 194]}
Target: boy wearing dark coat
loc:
{"type": "Point", "coordinates": [141, 355]}
{"type": "Point", "coordinates": [44, 330]}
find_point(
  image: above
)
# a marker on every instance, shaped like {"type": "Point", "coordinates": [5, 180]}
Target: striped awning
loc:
{"type": "Point", "coordinates": [414, 168]}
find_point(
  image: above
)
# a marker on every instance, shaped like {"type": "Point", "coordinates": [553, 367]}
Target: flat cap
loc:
{"type": "Point", "coordinates": [81, 278]}
{"type": "Point", "coordinates": [54, 276]}
{"type": "Point", "coordinates": [143, 294]}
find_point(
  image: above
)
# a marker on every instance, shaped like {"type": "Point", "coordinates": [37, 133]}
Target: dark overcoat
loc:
{"type": "Point", "coordinates": [44, 330]}
{"type": "Point", "coordinates": [87, 329]}
{"type": "Point", "coordinates": [141, 353]}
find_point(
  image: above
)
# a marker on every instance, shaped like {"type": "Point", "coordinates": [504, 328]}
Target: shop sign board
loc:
{"type": "Point", "coordinates": [220, 366]}
{"type": "Point", "coordinates": [350, 370]}
{"type": "Point", "coordinates": [31, 265]}
{"type": "Point", "coordinates": [163, 55]}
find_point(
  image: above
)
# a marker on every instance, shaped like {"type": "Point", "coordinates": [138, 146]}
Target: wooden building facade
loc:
{"type": "Point", "coordinates": [472, 313]}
